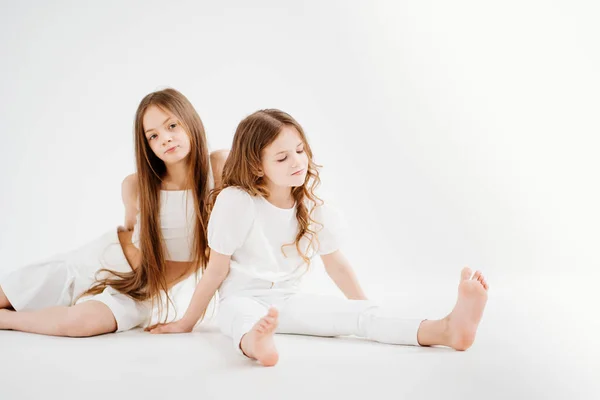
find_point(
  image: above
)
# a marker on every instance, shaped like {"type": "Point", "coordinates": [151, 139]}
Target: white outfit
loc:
{"type": "Point", "coordinates": [252, 231]}
{"type": "Point", "coordinates": [60, 280]}
{"type": "Point", "coordinates": [177, 223]}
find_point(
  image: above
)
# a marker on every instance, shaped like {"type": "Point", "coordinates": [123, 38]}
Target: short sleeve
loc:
{"type": "Point", "coordinates": [230, 220]}
{"type": "Point", "coordinates": [330, 228]}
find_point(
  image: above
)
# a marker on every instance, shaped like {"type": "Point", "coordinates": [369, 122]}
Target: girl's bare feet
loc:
{"type": "Point", "coordinates": [259, 343]}
{"type": "Point", "coordinates": [464, 319]}
{"type": "Point", "coordinates": [458, 329]}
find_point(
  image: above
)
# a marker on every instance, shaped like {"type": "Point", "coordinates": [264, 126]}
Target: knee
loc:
{"type": "Point", "coordinates": [83, 324]}
{"type": "Point", "coordinates": [4, 303]}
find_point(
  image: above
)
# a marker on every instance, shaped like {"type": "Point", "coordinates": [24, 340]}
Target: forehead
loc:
{"type": "Point", "coordinates": [154, 117]}
{"type": "Point", "coordinates": [288, 139]}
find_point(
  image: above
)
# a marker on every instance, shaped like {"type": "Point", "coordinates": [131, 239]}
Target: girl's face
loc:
{"type": "Point", "coordinates": [165, 135]}
{"type": "Point", "coordinates": [284, 162]}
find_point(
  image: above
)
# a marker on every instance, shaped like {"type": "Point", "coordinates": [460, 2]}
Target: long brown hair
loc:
{"type": "Point", "coordinates": [148, 280]}
{"type": "Point", "coordinates": [243, 169]}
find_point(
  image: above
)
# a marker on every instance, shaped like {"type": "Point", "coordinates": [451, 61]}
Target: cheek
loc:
{"type": "Point", "coordinates": [159, 154]}
{"type": "Point", "coordinates": [283, 170]}
{"type": "Point", "coordinates": [154, 147]}
{"type": "Point", "coordinates": [305, 158]}
{"type": "Point", "coordinates": [183, 138]}
{"type": "Point", "coordinates": [275, 172]}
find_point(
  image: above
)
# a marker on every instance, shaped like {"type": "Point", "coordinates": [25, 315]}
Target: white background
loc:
{"type": "Point", "coordinates": [451, 133]}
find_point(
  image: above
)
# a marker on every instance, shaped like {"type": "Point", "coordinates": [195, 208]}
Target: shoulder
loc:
{"type": "Point", "coordinates": [327, 213]}
{"type": "Point", "coordinates": [217, 162]}
{"type": "Point", "coordinates": [232, 214]}
{"type": "Point", "coordinates": [130, 182]}
{"type": "Point", "coordinates": [235, 196]}
{"type": "Point", "coordinates": [331, 227]}
{"type": "Point", "coordinates": [218, 158]}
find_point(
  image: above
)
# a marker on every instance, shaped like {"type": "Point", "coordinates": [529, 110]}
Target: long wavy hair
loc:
{"type": "Point", "coordinates": [148, 279]}
{"type": "Point", "coordinates": [243, 169]}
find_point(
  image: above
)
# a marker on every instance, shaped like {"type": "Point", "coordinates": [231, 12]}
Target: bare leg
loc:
{"type": "Point", "coordinates": [4, 303]}
{"type": "Point", "coordinates": [458, 329]}
{"type": "Point", "coordinates": [89, 318]}
{"type": "Point", "coordinates": [259, 344]}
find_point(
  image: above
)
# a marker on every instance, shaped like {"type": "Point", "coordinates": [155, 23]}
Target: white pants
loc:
{"type": "Point", "coordinates": [60, 280]}
{"type": "Point", "coordinates": [316, 315]}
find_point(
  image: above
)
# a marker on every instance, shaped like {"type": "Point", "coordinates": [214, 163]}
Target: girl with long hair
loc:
{"type": "Point", "coordinates": [266, 225]}
{"type": "Point", "coordinates": [115, 282]}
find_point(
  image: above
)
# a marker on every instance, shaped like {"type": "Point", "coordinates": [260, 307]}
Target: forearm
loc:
{"type": "Point", "coordinates": [205, 290]}
{"type": "Point", "coordinates": [346, 280]}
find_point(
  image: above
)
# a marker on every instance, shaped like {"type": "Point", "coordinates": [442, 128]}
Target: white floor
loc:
{"type": "Point", "coordinates": [531, 345]}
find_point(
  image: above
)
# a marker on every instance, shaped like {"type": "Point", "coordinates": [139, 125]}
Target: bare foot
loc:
{"type": "Point", "coordinates": [462, 322]}
{"type": "Point", "coordinates": [259, 343]}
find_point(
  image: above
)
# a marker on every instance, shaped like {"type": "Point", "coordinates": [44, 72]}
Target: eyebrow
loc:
{"type": "Point", "coordinates": [164, 122]}
{"type": "Point", "coordinates": [285, 151]}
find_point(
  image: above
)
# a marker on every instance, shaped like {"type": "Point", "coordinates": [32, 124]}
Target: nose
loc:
{"type": "Point", "coordinates": [167, 139]}
{"type": "Point", "coordinates": [296, 159]}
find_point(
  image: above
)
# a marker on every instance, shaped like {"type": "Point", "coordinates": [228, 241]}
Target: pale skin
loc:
{"type": "Point", "coordinates": [163, 132]}
{"type": "Point", "coordinates": [284, 165]}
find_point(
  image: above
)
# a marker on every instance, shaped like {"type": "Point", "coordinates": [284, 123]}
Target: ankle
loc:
{"type": "Point", "coordinates": [434, 332]}
{"type": "Point", "coordinates": [245, 347]}
{"type": "Point", "coordinates": [446, 331]}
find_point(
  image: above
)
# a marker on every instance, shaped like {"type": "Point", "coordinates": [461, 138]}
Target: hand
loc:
{"type": "Point", "coordinates": [179, 326]}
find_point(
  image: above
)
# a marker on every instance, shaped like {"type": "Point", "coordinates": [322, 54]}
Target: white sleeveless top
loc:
{"type": "Point", "coordinates": [177, 224]}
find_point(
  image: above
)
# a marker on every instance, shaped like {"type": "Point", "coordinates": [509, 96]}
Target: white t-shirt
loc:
{"type": "Point", "coordinates": [252, 231]}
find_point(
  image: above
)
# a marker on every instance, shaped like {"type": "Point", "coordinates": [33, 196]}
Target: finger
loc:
{"type": "Point", "coordinates": [159, 329]}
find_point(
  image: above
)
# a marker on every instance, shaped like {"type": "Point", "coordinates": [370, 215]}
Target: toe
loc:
{"type": "Point", "coordinates": [273, 313]}
{"type": "Point", "coordinates": [465, 274]}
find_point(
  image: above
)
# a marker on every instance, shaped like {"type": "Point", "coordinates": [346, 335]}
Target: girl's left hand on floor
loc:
{"type": "Point", "coordinates": [171, 327]}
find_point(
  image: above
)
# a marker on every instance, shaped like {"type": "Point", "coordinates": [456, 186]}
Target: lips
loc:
{"type": "Point", "coordinates": [170, 150]}
{"type": "Point", "coordinates": [298, 172]}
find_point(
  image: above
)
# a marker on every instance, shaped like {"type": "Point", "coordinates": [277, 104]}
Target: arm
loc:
{"type": "Point", "coordinates": [213, 276]}
{"type": "Point", "coordinates": [230, 221]}
{"type": "Point", "coordinates": [339, 270]}
{"type": "Point", "coordinates": [129, 194]}
{"type": "Point", "coordinates": [217, 161]}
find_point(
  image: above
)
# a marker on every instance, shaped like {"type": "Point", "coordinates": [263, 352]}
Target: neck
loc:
{"type": "Point", "coordinates": [280, 196]}
{"type": "Point", "coordinates": [176, 177]}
